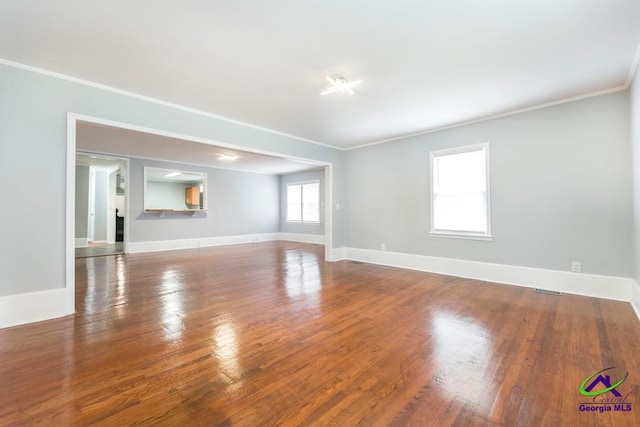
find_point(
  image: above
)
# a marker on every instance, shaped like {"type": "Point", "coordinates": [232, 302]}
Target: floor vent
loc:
{"type": "Point", "coordinates": [356, 262]}
{"type": "Point", "coordinates": [548, 292]}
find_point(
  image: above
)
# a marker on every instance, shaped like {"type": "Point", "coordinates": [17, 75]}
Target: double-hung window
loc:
{"type": "Point", "coordinates": [460, 202]}
{"type": "Point", "coordinates": [303, 202]}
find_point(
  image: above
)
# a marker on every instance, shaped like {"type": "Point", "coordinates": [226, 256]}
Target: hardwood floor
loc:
{"type": "Point", "coordinates": [269, 334]}
{"type": "Point", "coordinates": [103, 249]}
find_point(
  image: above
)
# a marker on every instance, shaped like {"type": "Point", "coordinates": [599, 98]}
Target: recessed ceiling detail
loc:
{"type": "Point", "coordinates": [340, 84]}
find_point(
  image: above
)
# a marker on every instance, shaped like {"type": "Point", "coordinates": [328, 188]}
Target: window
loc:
{"type": "Point", "coordinates": [303, 202]}
{"type": "Point", "coordinates": [460, 192]}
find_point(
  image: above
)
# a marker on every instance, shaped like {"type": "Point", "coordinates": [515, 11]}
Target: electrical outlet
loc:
{"type": "Point", "coordinates": [383, 247]}
{"type": "Point", "coordinates": [337, 206]}
{"type": "Point", "coordinates": [576, 266]}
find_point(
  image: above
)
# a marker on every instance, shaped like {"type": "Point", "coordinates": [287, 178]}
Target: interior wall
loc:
{"type": "Point", "coordinates": [101, 200]}
{"type": "Point", "coordinates": [33, 144]}
{"type": "Point", "coordinates": [289, 227]}
{"type": "Point", "coordinates": [168, 195]}
{"type": "Point", "coordinates": [82, 201]}
{"type": "Point", "coordinates": [560, 190]}
{"type": "Point", "coordinates": [111, 208]}
{"type": "Point", "coordinates": [237, 203]}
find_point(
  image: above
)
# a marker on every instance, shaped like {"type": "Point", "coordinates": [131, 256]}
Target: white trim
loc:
{"type": "Point", "coordinates": [460, 235]}
{"type": "Point", "coordinates": [492, 117]}
{"type": "Point", "coordinates": [633, 68]}
{"type": "Point", "coordinates": [317, 239]}
{"type": "Point", "coordinates": [128, 126]}
{"type": "Point", "coordinates": [154, 100]}
{"type": "Point", "coordinates": [33, 307]}
{"type": "Point", "coordinates": [337, 254]}
{"type": "Point", "coordinates": [81, 242]}
{"type": "Point", "coordinates": [635, 298]}
{"type": "Point", "coordinates": [591, 285]}
{"type": "Point", "coordinates": [328, 213]}
{"type": "Point", "coordinates": [170, 245]}
{"type": "Point", "coordinates": [70, 217]}
{"type": "Point", "coordinates": [636, 309]}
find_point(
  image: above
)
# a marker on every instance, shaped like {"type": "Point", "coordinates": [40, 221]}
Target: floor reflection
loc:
{"type": "Point", "coordinates": [463, 352]}
{"type": "Point", "coordinates": [172, 304]}
{"type": "Point", "coordinates": [302, 275]}
{"type": "Point", "coordinates": [106, 285]}
{"type": "Point", "coordinates": [121, 287]}
{"type": "Point", "coordinates": [226, 350]}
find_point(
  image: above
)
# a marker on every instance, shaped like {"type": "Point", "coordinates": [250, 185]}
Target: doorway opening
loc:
{"type": "Point", "coordinates": [114, 147]}
{"type": "Point", "coordinates": [100, 204]}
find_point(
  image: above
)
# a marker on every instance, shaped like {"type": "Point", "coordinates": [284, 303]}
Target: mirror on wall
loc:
{"type": "Point", "coordinates": [172, 190]}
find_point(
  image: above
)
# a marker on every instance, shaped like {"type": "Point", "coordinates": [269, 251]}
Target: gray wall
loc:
{"type": "Point", "coordinates": [237, 203]}
{"type": "Point", "coordinates": [289, 227]}
{"type": "Point", "coordinates": [82, 201]}
{"type": "Point", "coordinates": [165, 195]}
{"type": "Point", "coordinates": [101, 202]}
{"type": "Point", "coordinates": [33, 137]}
{"type": "Point", "coordinates": [560, 189]}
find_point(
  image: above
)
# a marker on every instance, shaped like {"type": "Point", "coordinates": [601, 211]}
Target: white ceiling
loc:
{"type": "Point", "coordinates": [116, 141]}
{"type": "Point", "coordinates": [160, 175]}
{"type": "Point", "coordinates": [424, 64]}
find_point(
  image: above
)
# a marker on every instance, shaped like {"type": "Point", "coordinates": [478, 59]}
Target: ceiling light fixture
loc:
{"type": "Point", "coordinates": [172, 174]}
{"type": "Point", "coordinates": [228, 157]}
{"type": "Point", "coordinates": [340, 84]}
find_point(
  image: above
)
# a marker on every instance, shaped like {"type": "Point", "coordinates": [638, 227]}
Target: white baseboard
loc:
{"type": "Point", "coordinates": [43, 305]}
{"type": "Point", "coordinates": [170, 245]}
{"type": "Point", "coordinates": [338, 254]}
{"type": "Point", "coordinates": [607, 287]}
{"type": "Point", "coordinates": [33, 307]}
{"type": "Point", "coordinates": [635, 298]}
{"type": "Point", "coordinates": [317, 239]}
{"type": "Point", "coordinates": [82, 242]}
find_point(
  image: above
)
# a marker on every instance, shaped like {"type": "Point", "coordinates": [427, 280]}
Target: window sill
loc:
{"type": "Point", "coordinates": [304, 222]}
{"type": "Point", "coordinates": [465, 236]}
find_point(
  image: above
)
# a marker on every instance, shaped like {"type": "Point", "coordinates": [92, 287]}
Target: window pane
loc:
{"type": "Point", "coordinates": [294, 213]}
{"type": "Point", "coordinates": [460, 173]}
{"type": "Point", "coordinates": [460, 212]}
{"type": "Point", "coordinates": [311, 212]}
{"type": "Point", "coordinates": [311, 193]}
{"type": "Point", "coordinates": [311, 202]}
{"type": "Point", "coordinates": [460, 192]}
{"type": "Point", "coordinates": [294, 195]}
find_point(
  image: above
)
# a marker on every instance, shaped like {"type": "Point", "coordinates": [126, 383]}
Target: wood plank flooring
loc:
{"type": "Point", "coordinates": [270, 334]}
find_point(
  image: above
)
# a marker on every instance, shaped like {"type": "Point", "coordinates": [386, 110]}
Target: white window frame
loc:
{"type": "Point", "coordinates": [455, 234]}
{"type": "Point", "coordinates": [302, 184]}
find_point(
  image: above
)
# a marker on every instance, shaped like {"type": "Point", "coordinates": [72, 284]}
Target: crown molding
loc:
{"type": "Point", "coordinates": [494, 116]}
{"type": "Point", "coordinates": [155, 101]}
